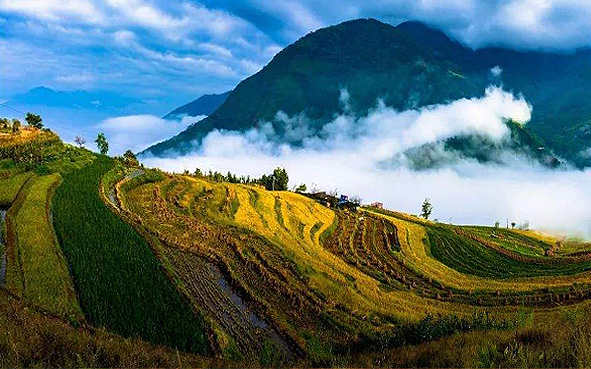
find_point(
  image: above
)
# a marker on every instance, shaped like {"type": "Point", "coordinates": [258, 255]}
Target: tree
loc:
{"type": "Point", "coordinates": [512, 224]}
{"type": "Point", "coordinates": [301, 188]}
{"type": "Point", "coordinates": [102, 143]}
{"type": "Point", "coordinates": [497, 224]}
{"type": "Point", "coordinates": [16, 125]}
{"type": "Point", "coordinates": [355, 200]}
{"type": "Point", "coordinates": [80, 141]}
{"type": "Point", "coordinates": [277, 181]}
{"type": "Point", "coordinates": [426, 209]}
{"type": "Point", "coordinates": [4, 123]}
{"type": "Point", "coordinates": [131, 159]}
{"type": "Point", "coordinates": [34, 120]}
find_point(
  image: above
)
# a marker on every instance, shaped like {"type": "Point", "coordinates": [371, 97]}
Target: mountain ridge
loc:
{"type": "Point", "coordinates": [43, 95]}
{"type": "Point", "coordinates": [204, 105]}
{"type": "Point", "coordinates": [408, 66]}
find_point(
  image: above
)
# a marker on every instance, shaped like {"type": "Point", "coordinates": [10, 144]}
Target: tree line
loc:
{"type": "Point", "coordinates": [14, 125]}
{"type": "Point", "coordinates": [276, 181]}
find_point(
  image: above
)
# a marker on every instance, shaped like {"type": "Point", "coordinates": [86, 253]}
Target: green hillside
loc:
{"type": "Point", "coordinates": [106, 263]}
{"type": "Point", "coordinates": [407, 66]}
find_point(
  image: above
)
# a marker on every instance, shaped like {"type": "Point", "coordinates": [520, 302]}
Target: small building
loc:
{"type": "Point", "coordinates": [377, 205]}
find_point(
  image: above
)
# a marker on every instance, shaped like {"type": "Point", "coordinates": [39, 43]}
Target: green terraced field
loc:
{"type": "Point", "coordinates": [120, 281]}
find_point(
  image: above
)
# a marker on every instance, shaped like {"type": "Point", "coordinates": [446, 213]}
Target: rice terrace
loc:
{"type": "Point", "coordinates": [357, 193]}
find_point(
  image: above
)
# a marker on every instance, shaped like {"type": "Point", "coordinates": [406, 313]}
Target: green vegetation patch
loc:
{"type": "Point", "coordinates": [120, 282]}
{"type": "Point", "coordinates": [45, 276]}
{"type": "Point", "coordinates": [10, 187]}
{"type": "Point", "coordinates": [471, 257]}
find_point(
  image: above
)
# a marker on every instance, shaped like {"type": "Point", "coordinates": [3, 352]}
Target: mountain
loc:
{"type": "Point", "coordinates": [407, 66]}
{"type": "Point", "coordinates": [205, 105]}
{"type": "Point", "coordinates": [72, 99]}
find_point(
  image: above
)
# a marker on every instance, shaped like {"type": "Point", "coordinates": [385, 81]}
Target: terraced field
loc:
{"type": "Point", "coordinates": [36, 268]}
{"type": "Point", "coordinates": [252, 277]}
{"type": "Point", "coordinates": [349, 274]}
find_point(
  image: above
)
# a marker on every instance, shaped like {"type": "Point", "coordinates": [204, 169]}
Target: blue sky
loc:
{"type": "Point", "coordinates": [169, 52]}
{"type": "Point", "coordinates": [165, 53]}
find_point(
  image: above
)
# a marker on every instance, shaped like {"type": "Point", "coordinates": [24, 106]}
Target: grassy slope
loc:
{"type": "Point", "coordinates": [120, 282]}
{"type": "Point", "coordinates": [418, 256]}
{"type": "Point", "coordinates": [45, 275]}
{"type": "Point", "coordinates": [10, 187]}
{"type": "Point", "coordinates": [454, 251]}
{"type": "Point", "coordinates": [293, 225]}
{"type": "Point", "coordinates": [29, 338]}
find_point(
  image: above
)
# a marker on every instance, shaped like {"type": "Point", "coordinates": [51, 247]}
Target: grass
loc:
{"type": "Point", "coordinates": [286, 264]}
{"type": "Point", "coordinates": [44, 274]}
{"type": "Point", "coordinates": [367, 276]}
{"type": "Point", "coordinates": [473, 258]}
{"type": "Point", "coordinates": [120, 282]}
{"type": "Point", "coordinates": [11, 186]}
{"type": "Point", "coordinates": [29, 338]}
{"type": "Point", "coordinates": [331, 282]}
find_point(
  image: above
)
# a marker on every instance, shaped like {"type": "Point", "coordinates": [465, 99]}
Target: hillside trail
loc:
{"type": "Point", "coordinates": [128, 176]}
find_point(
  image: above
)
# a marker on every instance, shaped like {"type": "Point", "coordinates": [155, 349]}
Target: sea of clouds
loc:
{"type": "Point", "coordinates": [353, 155]}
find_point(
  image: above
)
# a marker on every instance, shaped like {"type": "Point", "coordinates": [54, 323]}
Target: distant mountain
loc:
{"type": "Point", "coordinates": [205, 105]}
{"type": "Point", "coordinates": [72, 99]}
{"type": "Point", "coordinates": [407, 66]}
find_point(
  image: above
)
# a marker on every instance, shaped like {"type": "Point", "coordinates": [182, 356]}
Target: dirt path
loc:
{"type": "Point", "coordinates": [113, 191]}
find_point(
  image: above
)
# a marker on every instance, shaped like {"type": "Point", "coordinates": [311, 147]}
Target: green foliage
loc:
{"type": "Point", "coordinates": [426, 209]}
{"type": "Point", "coordinates": [4, 123]}
{"type": "Point", "coordinates": [16, 125]}
{"type": "Point", "coordinates": [432, 328]}
{"type": "Point", "coordinates": [102, 143]}
{"type": "Point", "coordinates": [45, 275]}
{"type": "Point", "coordinates": [471, 257]}
{"type": "Point", "coordinates": [301, 188]}
{"type": "Point", "coordinates": [34, 120]}
{"type": "Point", "coordinates": [130, 158]}
{"type": "Point", "coordinates": [277, 181]}
{"type": "Point", "coordinates": [120, 281]}
{"type": "Point", "coordinates": [11, 186]}
{"type": "Point", "coordinates": [29, 152]}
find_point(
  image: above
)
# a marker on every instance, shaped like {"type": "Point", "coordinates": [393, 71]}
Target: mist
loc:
{"type": "Point", "coordinates": [138, 132]}
{"type": "Point", "coordinates": [354, 155]}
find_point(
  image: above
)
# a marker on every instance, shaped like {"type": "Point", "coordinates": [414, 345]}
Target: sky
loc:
{"type": "Point", "coordinates": [169, 52]}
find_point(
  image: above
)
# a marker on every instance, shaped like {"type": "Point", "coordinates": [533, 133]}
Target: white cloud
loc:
{"type": "Point", "coordinates": [496, 71]}
{"type": "Point", "coordinates": [79, 79]}
{"type": "Point", "coordinates": [55, 10]}
{"type": "Point", "coordinates": [352, 158]}
{"type": "Point", "coordinates": [137, 132]}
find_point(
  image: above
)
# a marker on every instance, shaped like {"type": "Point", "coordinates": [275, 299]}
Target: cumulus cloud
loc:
{"type": "Point", "coordinates": [137, 132]}
{"type": "Point", "coordinates": [54, 10]}
{"type": "Point", "coordinates": [349, 155]}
